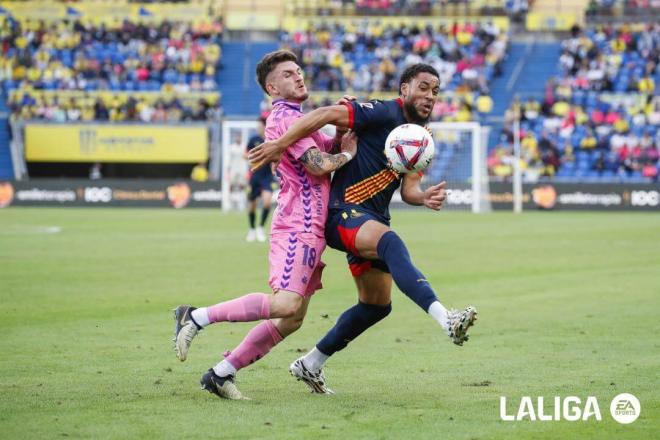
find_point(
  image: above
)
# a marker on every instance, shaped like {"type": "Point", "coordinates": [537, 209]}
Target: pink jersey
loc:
{"type": "Point", "coordinates": [302, 205]}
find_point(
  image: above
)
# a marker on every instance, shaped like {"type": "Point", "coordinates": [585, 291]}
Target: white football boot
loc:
{"type": "Point", "coordinates": [315, 380]}
{"type": "Point", "coordinates": [459, 322]}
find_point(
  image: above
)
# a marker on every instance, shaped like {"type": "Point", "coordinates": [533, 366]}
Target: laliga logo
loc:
{"type": "Point", "coordinates": [178, 194]}
{"type": "Point", "coordinates": [625, 408]}
{"type": "Point", "coordinates": [569, 409]}
{"type": "Point", "coordinates": [6, 194]}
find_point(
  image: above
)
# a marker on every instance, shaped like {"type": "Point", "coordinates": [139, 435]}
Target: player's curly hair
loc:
{"type": "Point", "coordinates": [269, 62]}
{"type": "Point", "coordinates": [414, 70]}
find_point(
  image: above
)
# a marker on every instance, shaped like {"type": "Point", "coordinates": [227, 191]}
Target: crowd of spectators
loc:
{"type": "Point", "coordinates": [169, 59]}
{"type": "Point", "coordinates": [370, 59]}
{"type": "Point", "coordinates": [608, 58]}
{"type": "Point", "coordinates": [114, 108]}
{"type": "Point", "coordinates": [70, 55]}
{"type": "Point", "coordinates": [623, 7]}
{"type": "Point", "coordinates": [588, 126]}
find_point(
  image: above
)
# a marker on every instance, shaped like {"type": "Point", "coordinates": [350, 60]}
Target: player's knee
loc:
{"type": "Point", "coordinates": [294, 323]}
{"type": "Point", "coordinates": [390, 245]}
{"type": "Point", "coordinates": [375, 312]}
{"type": "Point", "coordinates": [286, 305]}
{"type": "Point", "coordinates": [286, 326]}
{"type": "Point", "coordinates": [368, 237]}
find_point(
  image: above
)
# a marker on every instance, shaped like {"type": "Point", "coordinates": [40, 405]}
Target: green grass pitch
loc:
{"type": "Point", "coordinates": [568, 305]}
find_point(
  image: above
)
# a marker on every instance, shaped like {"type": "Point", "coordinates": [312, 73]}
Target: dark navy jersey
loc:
{"type": "Point", "coordinates": [366, 181]}
{"type": "Point", "coordinates": [262, 172]}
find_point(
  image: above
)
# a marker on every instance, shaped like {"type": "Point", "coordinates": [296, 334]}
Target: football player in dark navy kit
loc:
{"type": "Point", "coordinates": [359, 218]}
{"type": "Point", "coordinates": [262, 182]}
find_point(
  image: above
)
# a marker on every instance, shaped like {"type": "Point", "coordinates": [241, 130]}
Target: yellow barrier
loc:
{"type": "Point", "coordinates": [108, 12]}
{"type": "Point", "coordinates": [537, 21]}
{"type": "Point", "coordinates": [110, 96]}
{"type": "Point", "coordinates": [115, 143]}
{"type": "Point", "coordinates": [291, 24]}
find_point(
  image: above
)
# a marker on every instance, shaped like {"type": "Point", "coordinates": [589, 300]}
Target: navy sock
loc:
{"type": "Point", "coordinates": [252, 217]}
{"type": "Point", "coordinates": [406, 276]}
{"type": "Point", "coordinates": [264, 215]}
{"type": "Point", "coordinates": [350, 325]}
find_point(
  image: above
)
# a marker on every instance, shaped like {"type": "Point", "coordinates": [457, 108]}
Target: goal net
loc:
{"type": "Point", "coordinates": [460, 160]}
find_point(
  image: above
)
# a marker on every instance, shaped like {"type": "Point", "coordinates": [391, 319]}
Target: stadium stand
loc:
{"type": "Point", "coordinates": [367, 62]}
{"type": "Point", "coordinates": [132, 56]}
{"type": "Point", "coordinates": [108, 61]}
{"type": "Point", "coordinates": [628, 8]}
{"type": "Point", "coordinates": [338, 57]}
{"type": "Point", "coordinates": [599, 118]}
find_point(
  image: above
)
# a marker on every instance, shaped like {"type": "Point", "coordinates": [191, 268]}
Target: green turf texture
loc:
{"type": "Point", "coordinates": [568, 306]}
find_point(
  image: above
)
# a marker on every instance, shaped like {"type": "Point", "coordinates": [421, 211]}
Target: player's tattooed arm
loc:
{"type": "Point", "coordinates": [272, 151]}
{"type": "Point", "coordinates": [319, 163]}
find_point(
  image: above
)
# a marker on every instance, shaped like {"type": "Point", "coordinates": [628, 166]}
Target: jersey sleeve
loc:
{"type": "Point", "coordinates": [301, 146]}
{"type": "Point", "coordinates": [324, 141]}
{"type": "Point", "coordinates": [365, 114]}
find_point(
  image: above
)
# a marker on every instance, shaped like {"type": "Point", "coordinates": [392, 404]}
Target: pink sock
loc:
{"type": "Point", "coordinates": [250, 307]}
{"type": "Point", "coordinates": [257, 344]}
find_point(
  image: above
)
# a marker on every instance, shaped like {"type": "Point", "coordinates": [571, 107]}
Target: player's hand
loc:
{"type": "Point", "coordinates": [264, 153]}
{"type": "Point", "coordinates": [346, 99]}
{"type": "Point", "coordinates": [349, 143]}
{"type": "Point", "coordinates": [435, 196]}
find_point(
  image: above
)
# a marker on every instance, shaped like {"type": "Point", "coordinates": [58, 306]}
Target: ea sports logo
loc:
{"type": "Point", "coordinates": [625, 408]}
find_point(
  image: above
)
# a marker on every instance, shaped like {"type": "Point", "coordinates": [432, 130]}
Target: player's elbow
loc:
{"type": "Point", "coordinates": [410, 198]}
{"type": "Point", "coordinates": [319, 170]}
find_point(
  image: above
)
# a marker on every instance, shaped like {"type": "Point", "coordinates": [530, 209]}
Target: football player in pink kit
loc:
{"type": "Point", "coordinates": [297, 235]}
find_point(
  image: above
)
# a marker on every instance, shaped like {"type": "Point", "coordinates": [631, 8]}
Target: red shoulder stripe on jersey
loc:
{"type": "Point", "coordinates": [399, 101]}
{"type": "Point", "coordinates": [351, 114]}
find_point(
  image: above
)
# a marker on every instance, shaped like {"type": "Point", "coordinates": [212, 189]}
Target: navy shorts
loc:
{"type": "Point", "coordinates": [260, 184]}
{"type": "Point", "coordinates": [341, 229]}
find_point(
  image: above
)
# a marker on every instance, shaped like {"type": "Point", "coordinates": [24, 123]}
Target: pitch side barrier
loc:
{"type": "Point", "coordinates": [186, 194]}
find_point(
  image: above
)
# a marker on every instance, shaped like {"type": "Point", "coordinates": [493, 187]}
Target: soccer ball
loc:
{"type": "Point", "coordinates": [409, 148]}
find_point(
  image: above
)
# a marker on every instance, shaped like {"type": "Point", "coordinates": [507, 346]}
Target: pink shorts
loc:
{"type": "Point", "coordinates": [295, 262]}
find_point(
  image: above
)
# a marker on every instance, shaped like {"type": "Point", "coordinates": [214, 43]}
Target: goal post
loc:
{"type": "Point", "coordinates": [233, 165]}
{"type": "Point", "coordinates": [460, 160]}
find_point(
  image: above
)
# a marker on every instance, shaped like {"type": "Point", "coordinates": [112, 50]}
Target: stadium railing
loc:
{"type": "Point", "coordinates": [447, 8]}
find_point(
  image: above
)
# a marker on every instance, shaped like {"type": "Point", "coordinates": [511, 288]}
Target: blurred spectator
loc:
{"type": "Point", "coordinates": [200, 173]}
{"type": "Point", "coordinates": [370, 58]}
{"type": "Point", "coordinates": [116, 108]}
{"type": "Point", "coordinates": [65, 55]}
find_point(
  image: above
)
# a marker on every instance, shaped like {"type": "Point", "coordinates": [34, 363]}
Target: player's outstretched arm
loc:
{"type": "Point", "coordinates": [319, 163]}
{"type": "Point", "coordinates": [272, 150]}
{"type": "Point", "coordinates": [411, 193]}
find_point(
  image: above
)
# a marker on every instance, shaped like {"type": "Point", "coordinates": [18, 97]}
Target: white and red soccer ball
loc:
{"type": "Point", "coordinates": [409, 148]}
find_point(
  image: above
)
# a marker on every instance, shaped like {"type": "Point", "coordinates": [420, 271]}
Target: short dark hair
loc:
{"type": "Point", "coordinates": [269, 62]}
{"type": "Point", "coordinates": [414, 70]}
